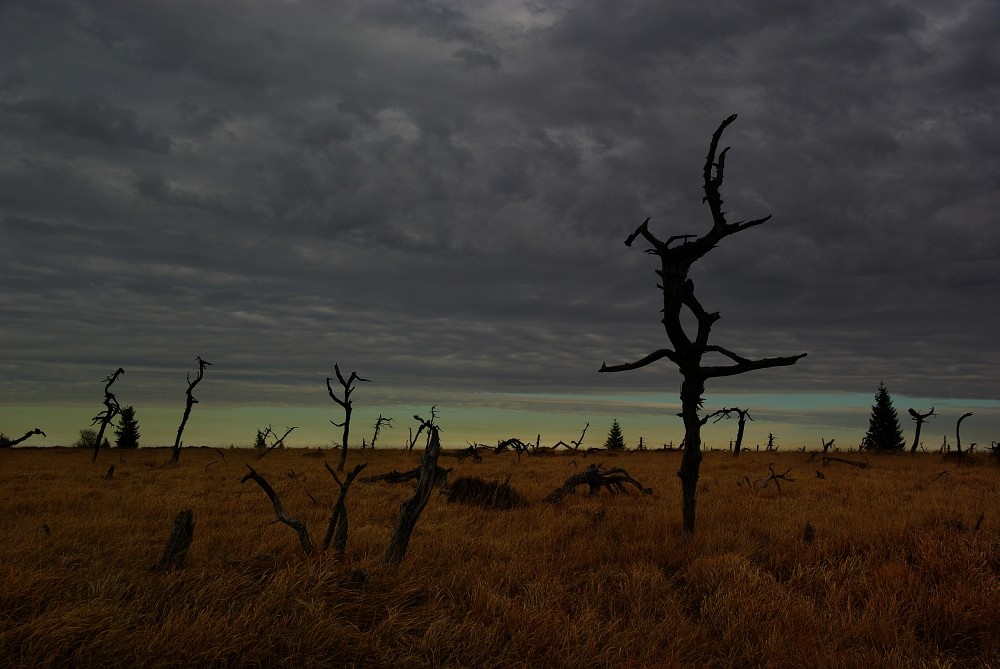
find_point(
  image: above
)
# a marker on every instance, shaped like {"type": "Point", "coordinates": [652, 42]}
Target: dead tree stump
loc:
{"type": "Point", "coordinates": [178, 543]}
{"type": "Point", "coordinates": [410, 510]}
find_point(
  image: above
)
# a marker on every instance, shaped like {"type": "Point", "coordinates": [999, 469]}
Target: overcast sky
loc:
{"type": "Point", "coordinates": [436, 195]}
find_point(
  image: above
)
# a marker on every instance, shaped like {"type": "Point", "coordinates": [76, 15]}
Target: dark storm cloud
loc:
{"type": "Point", "coordinates": [436, 193]}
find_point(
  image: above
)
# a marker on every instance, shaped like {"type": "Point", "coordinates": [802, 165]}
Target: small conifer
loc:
{"type": "Point", "coordinates": [884, 432]}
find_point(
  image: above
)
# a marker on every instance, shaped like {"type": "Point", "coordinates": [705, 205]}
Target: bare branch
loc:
{"type": "Point", "coordinates": [750, 366]}
{"type": "Point", "coordinates": [297, 525]}
{"type": "Point", "coordinates": [642, 362]}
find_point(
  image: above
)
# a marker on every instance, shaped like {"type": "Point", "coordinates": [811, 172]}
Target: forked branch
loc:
{"type": "Point", "coordinates": [297, 525]}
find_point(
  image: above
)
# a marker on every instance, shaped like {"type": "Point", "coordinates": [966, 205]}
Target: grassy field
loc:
{"type": "Point", "coordinates": [903, 569]}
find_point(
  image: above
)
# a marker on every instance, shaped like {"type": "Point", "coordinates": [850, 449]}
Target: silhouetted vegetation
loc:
{"type": "Point", "coordinates": [884, 432]}
{"type": "Point", "coordinates": [347, 405]}
{"type": "Point", "coordinates": [8, 442]}
{"type": "Point", "coordinates": [127, 432]}
{"type": "Point", "coordinates": [677, 255]}
{"type": "Point", "coordinates": [615, 440]}
{"type": "Point", "coordinates": [191, 401]}
{"type": "Point", "coordinates": [111, 409]}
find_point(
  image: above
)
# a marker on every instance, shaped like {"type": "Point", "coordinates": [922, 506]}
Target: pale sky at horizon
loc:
{"type": "Point", "coordinates": [435, 194]}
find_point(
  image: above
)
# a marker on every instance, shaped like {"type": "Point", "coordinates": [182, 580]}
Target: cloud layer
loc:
{"type": "Point", "coordinates": [435, 194]}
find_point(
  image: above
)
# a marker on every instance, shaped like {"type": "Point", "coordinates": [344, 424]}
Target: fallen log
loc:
{"type": "Point", "coordinates": [596, 477]}
{"type": "Point", "coordinates": [827, 459]}
{"type": "Point", "coordinates": [440, 476]}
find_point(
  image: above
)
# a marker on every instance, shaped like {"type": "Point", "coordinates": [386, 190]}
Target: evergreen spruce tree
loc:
{"type": "Point", "coordinates": [884, 432]}
{"type": "Point", "coordinates": [127, 432]}
{"type": "Point", "coordinates": [615, 440]}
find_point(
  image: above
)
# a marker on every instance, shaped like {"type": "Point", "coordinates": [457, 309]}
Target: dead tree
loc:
{"type": "Point", "coordinates": [111, 409]}
{"type": "Point", "coordinates": [347, 405]}
{"type": "Point", "coordinates": [678, 293]}
{"type": "Point", "coordinates": [178, 542]}
{"type": "Point", "coordinates": [7, 442]}
{"type": "Point", "coordinates": [462, 454]}
{"type": "Point", "coordinates": [743, 414]}
{"type": "Point", "coordinates": [337, 529]}
{"type": "Point", "coordinates": [575, 444]}
{"type": "Point", "coordinates": [379, 424]}
{"type": "Point", "coordinates": [297, 525]}
{"type": "Point", "coordinates": [958, 434]}
{"type": "Point", "coordinates": [777, 478]}
{"type": "Point", "coordinates": [596, 477]}
{"type": "Point", "coordinates": [826, 444]}
{"type": "Point", "coordinates": [191, 401]}
{"type": "Point", "coordinates": [279, 442]}
{"type": "Point", "coordinates": [410, 510]}
{"type": "Point", "coordinates": [919, 418]}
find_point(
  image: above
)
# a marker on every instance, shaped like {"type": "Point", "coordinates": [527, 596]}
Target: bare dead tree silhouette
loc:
{"type": "Point", "coordinates": [279, 442]}
{"type": "Point", "coordinates": [298, 525]}
{"type": "Point", "coordinates": [348, 406]}
{"type": "Point", "coordinates": [379, 424]}
{"type": "Point", "coordinates": [678, 293]}
{"type": "Point", "coordinates": [111, 409]}
{"type": "Point", "coordinates": [7, 442]}
{"type": "Point", "coordinates": [919, 418]}
{"type": "Point", "coordinates": [410, 510]}
{"type": "Point", "coordinates": [743, 414]}
{"type": "Point", "coordinates": [958, 433]}
{"type": "Point", "coordinates": [191, 401]}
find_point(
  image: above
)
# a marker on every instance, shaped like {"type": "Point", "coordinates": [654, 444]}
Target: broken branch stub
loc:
{"type": "Point", "coordinates": [178, 543]}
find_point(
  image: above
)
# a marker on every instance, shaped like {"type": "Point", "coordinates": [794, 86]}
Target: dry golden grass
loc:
{"type": "Point", "coordinates": [898, 574]}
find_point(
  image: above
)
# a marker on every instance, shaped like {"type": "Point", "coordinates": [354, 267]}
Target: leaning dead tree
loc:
{"type": "Point", "coordinates": [191, 401]}
{"type": "Point", "coordinates": [347, 405]}
{"type": "Point", "coordinates": [743, 414]}
{"type": "Point", "coordinates": [297, 525]}
{"type": "Point", "coordinates": [7, 442]}
{"type": "Point", "coordinates": [677, 254]}
{"type": "Point", "coordinates": [410, 510]}
{"type": "Point", "coordinates": [379, 424]}
{"type": "Point", "coordinates": [919, 418]}
{"type": "Point", "coordinates": [958, 433]}
{"type": "Point", "coordinates": [111, 409]}
{"type": "Point", "coordinates": [279, 442]}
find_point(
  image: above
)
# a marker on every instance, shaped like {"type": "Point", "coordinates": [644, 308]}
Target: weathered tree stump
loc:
{"type": "Point", "coordinates": [410, 510]}
{"type": "Point", "coordinates": [178, 543]}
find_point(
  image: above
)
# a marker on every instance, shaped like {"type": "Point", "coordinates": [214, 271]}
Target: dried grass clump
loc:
{"type": "Point", "coordinates": [487, 494]}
